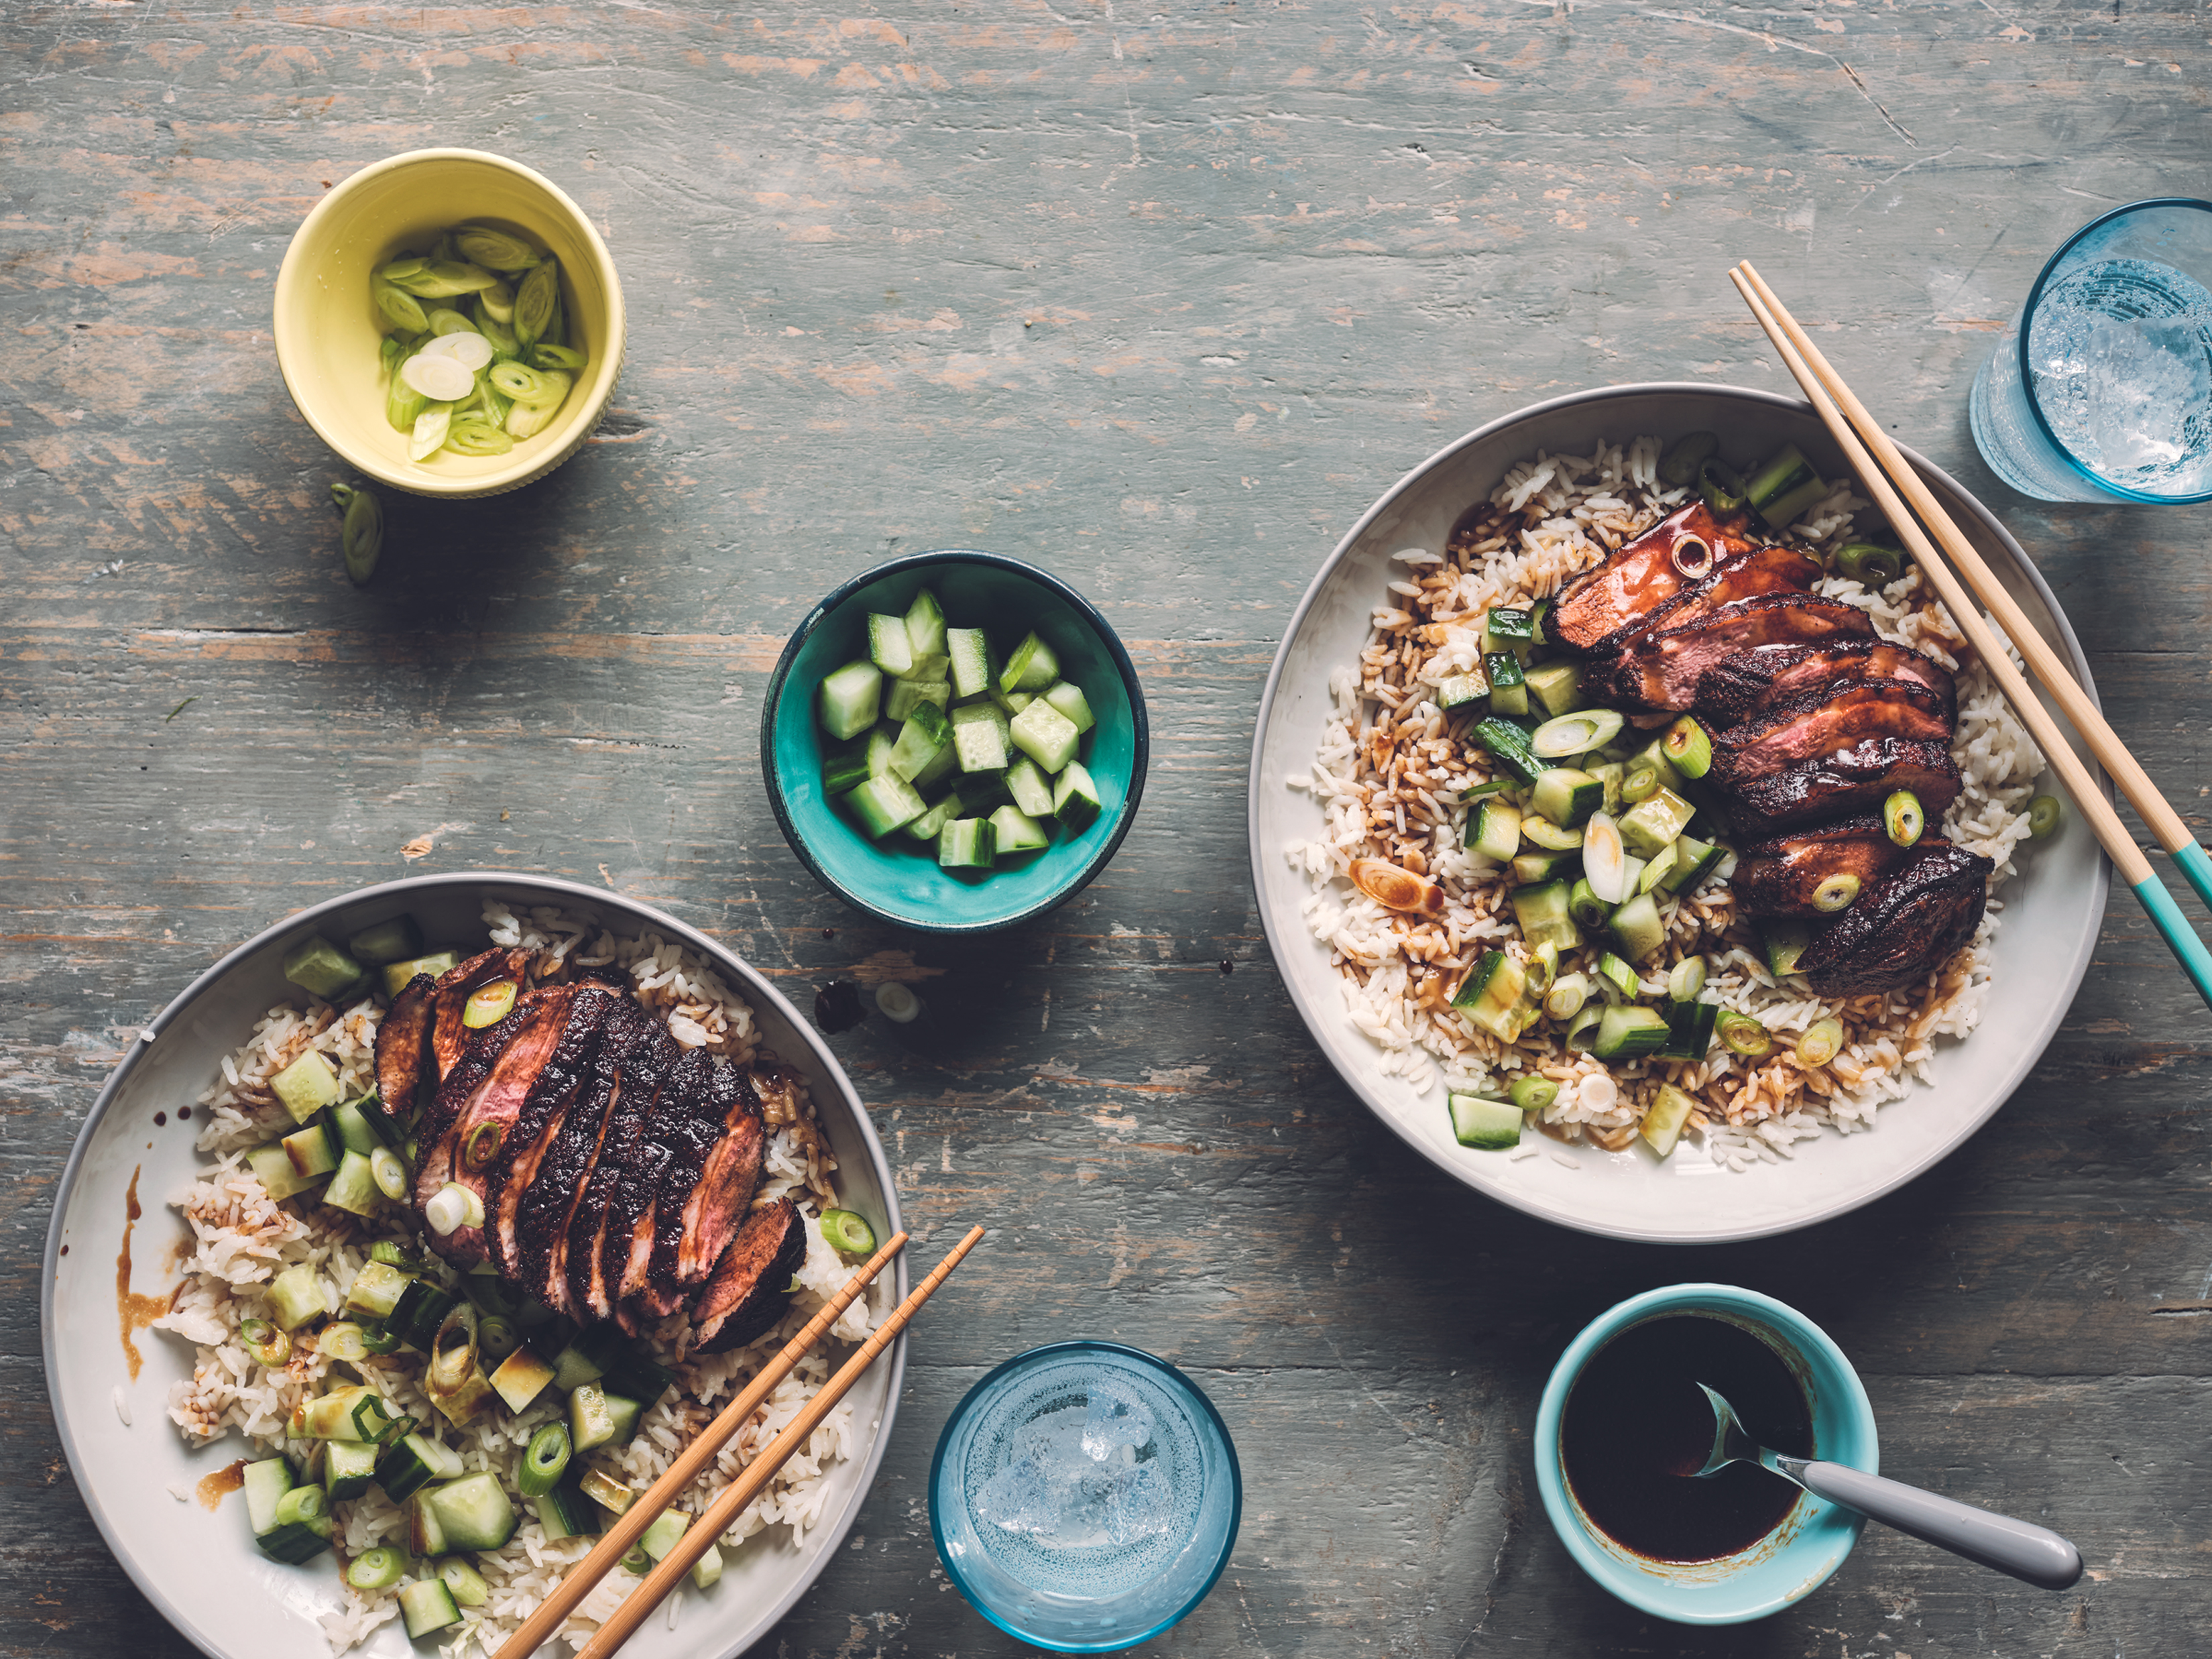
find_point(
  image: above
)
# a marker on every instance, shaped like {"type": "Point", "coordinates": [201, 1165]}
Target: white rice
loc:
{"type": "Point", "coordinates": [243, 1239]}
{"type": "Point", "coordinates": [1388, 779]}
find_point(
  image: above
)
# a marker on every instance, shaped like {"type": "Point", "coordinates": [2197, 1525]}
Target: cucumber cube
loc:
{"type": "Point", "coordinates": [1067, 696]}
{"type": "Point", "coordinates": [1045, 736]}
{"type": "Point", "coordinates": [1508, 691]}
{"type": "Point", "coordinates": [1033, 666]}
{"type": "Point", "coordinates": [925, 734]}
{"type": "Point", "coordinates": [348, 1467]}
{"type": "Point", "coordinates": [319, 967]}
{"type": "Point", "coordinates": [1015, 831]}
{"type": "Point", "coordinates": [521, 1378]}
{"type": "Point", "coordinates": [928, 670]}
{"type": "Point", "coordinates": [272, 1168]}
{"type": "Point", "coordinates": [850, 698]}
{"type": "Point", "coordinates": [847, 769]}
{"type": "Point", "coordinates": [1498, 830]}
{"type": "Point", "coordinates": [982, 735]}
{"type": "Point", "coordinates": [311, 1150]}
{"type": "Point", "coordinates": [354, 1188]}
{"type": "Point", "coordinates": [982, 791]}
{"type": "Point", "coordinates": [396, 976]}
{"type": "Point", "coordinates": [889, 647]}
{"type": "Point", "coordinates": [1075, 798]}
{"type": "Point", "coordinates": [966, 844]}
{"type": "Point", "coordinates": [707, 1570]}
{"type": "Point", "coordinates": [1030, 788]}
{"type": "Point", "coordinates": [307, 1085]}
{"type": "Point", "coordinates": [885, 804]}
{"type": "Point", "coordinates": [907, 695]}
{"type": "Point", "coordinates": [926, 827]}
{"type": "Point", "coordinates": [266, 1483]}
{"type": "Point", "coordinates": [1490, 1126]}
{"type": "Point", "coordinates": [946, 764]}
{"type": "Point", "coordinates": [1460, 690]}
{"type": "Point", "coordinates": [387, 941]}
{"type": "Point", "coordinates": [660, 1537]}
{"type": "Point", "coordinates": [925, 625]}
{"type": "Point", "coordinates": [970, 652]}
{"type": "Point", "coordinates": [1013, 702]}
{"type": "Point", "coordinates": [296, 1296]}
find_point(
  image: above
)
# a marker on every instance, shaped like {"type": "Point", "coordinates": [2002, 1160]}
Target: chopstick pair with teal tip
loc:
{"type": "Point", "coordinates": [1891, 481]}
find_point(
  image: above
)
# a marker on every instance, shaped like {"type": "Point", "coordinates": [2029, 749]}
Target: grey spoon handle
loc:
{"type": "Point", "coordinates": [2025, 1551]}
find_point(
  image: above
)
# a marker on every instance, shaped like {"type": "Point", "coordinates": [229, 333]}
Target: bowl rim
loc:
{"type": "Point", "coordinates": [1089, 1345]}
{"type": "Point", "coordinates": [2011, 1074]}
{"type": "Point", "coordinates": [1093, 617]}
{"type": "Point", "coordinates": [292, 272]}
{"type": "Point", "coordinates": [750, 983]}
{"type": "Point", "coordinates": [1777, 1315]}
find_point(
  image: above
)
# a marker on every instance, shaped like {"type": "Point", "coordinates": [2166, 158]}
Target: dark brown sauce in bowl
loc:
{"type": "Point", "coordinates": [1636, 1428]}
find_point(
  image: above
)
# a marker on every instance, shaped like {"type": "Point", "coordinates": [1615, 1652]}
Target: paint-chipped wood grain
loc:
{"type": "Point", "coordinates": [1162, 300]}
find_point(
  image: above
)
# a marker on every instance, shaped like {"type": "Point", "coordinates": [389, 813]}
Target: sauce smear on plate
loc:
{"type": "Point", "coordinates": [1637, 1428]}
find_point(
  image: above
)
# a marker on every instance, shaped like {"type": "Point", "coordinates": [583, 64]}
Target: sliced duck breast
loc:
{"type": "Point", "coordinates": [699, 1208]}
{"type": "Point", "coordinates": [1599, 610]}
{"type": "Point", "coordinates": [1853, 780]}
{"type": "Point", "coordinates": [1904, 927]}
{"type": "Point", "coordinates": [751, 1286]}
{"type": "Point", "coordinates": [565, 1076]}
{"type": "Point", "coordinates": [1822, 723]}
{"type": "Point", "coordinates": [449, 1034]}
{"type": "Point", "coordinates": [1665, 668]}
{"type": "Point", "coordinates": [645, 1071]}
{"type": "Point", "coordinates": [1734, 689]}
{"type": "Point", "coordinates": [403, 1041]}
{"type": "Point", "coordinates": [1779, 875]}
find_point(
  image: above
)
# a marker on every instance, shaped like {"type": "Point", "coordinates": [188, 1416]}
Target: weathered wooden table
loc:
{"type": "Point", "coordinates": [1160, 300]}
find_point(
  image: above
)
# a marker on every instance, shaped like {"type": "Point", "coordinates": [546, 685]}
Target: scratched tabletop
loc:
{"type": "Point", "coordinates": [1160, 300]}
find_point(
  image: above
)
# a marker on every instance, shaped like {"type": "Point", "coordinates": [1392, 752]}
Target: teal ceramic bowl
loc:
{"type": "Point", "coordinates": [1788, 1563]}
{"type": "Point", "coordinates": [897, 878]}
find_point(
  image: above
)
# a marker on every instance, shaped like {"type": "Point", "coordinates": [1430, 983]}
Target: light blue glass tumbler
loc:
{"type": "Point", "coordinates": [2101, 388]}
{"type": "Point", "coordinates": [1084, 1496]}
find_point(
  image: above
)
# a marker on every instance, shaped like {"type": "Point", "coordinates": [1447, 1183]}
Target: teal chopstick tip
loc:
{"type": "Point", "coordinates": [2166, 915]}
{"type": "Point", "coordinates": [2196, 865]}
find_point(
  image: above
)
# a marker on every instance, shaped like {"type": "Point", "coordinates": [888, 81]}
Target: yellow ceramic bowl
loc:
{"type": "Point", "coordinates": [328, 327]}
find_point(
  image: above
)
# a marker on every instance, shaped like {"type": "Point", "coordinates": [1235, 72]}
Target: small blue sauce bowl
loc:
{"type": "Point", "coordinates": [897, 879]}
{"type": "Point", "coordinates": [1788, 1562]}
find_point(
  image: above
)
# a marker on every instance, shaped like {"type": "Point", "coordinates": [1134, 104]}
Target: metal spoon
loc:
{"type": "Point", "coordinates": [2032, 1552]}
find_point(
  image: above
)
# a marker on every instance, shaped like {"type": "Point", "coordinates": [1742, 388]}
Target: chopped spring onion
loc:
{"type": "Point", "coordinates": [1605, 860]}
{"type": "Point", "coordinates": [1720, 485]}
{"type": "Point", "coordinates": [896, 1002]}
{"type": "Point", "coordinates": [1581, 1029]}
{"type": "Point", "coordinates": [401, 309]}
{"type": "Point", "coordinates": [427, 436]}
{"type": "Point", "coordinates": [1533, 1094]}
{"type": "Point", "coordinates": [544, 1461]}
{"type": "Point", "coordinates": [1678, 465]}
{"type": "Point", "coordinates": [1686, 979]}
{"type": "Point", "coordinates": [1641, 782]}
{"type": "Point", "coordinates": [482, 1145]}
{"type": "Point", "coordinates": [264, 1342]}
{"type": "Point", "coordinates": [470, 350]}
{"type": "Point", "coordinates": [565, 358]}
{"type": "Point", "coordinates": [1584, 908]}
{"type": "Point", "coordinates": [1742, 1034]}
{"type": "Point", "coordinates": [378, 1338]}
{"type": "Point", "coordinates": [442, 379]}
{"type": "Point", "coordinates": [1687, 749]}
{"type": "Point", "coordinates": [849, 1233]}
{"type": "Point", "coordinates": [495, 249]}
{"type": "Point", "coordinates": [1693, 557]}
{"type": "Point", "coordinates": [488, 1004]}
{"type": "Point", "coordinates": [1902, 817]}
{"type": "Point", "coordinates": [343, 1340]}
{"type": "Point", "coordinates": [2043, 815]}
{"type": "Point", "coordinates": [393, 1254]}
{"type": "Point", "coordinates": [1567, 996]}
{"type": "Point", "coordinates": [362, 537]}
{"type": "Point", "coordinates": [390, 1173]}
{"type": "Point", "coordinates": [1820, 1043]}
{"type": "Point", "coordinates": [496, 1338]}
{"type": "Point", "coordinates": [495, 304]}
{"type": "Point", "coordinates": [1576, 734]}
{"type": "Point", "coordinates": [376, 1569]}
{"type": "Point", "coordinates": [535, 302]}
{"type": "Point", "coordinates": [1835, 893]}
{"type": "Point", "coordinates": [453, 1207]}
{"type": "Point", "coordinates": [478, 437]}
{"type": "Point", "coordinates": [637, 1561]}
{"type": "Point", "coordinates": [1869, 562]}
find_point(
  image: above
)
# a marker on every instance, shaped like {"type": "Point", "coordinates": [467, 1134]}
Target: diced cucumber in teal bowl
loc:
{"type": "Point", "coordinates": [969, 769]}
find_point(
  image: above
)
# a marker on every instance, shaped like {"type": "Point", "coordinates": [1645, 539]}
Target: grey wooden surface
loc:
{"type": "Point", "coordinates": [1161, 299]}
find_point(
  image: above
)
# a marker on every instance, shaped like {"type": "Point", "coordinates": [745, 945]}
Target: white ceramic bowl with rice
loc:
{"type": "Point", "coordinates": [1927, 1074]}
{"type": "Point", "coordinates": [141, 1475]}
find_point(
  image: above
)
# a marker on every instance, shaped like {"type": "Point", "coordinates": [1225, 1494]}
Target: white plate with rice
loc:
{"type": "Point", "coordinates": [140, 1383]}
{"type": "Point", "coordinates": [1770, 1149]}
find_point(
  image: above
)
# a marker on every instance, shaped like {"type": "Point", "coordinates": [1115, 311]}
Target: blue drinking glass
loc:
{"type": "Point", "coordinates": [1084, 1496]}
{"type": "Point", "coordinates": [2100, 389]}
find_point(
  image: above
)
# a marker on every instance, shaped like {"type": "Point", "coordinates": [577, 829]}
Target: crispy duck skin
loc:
{"type": "Point", "coordinates": [1823, 722]}
{"type": "Point", "coordinates": [645, 1071]}
{"type": "Point", "coordinates": [1777, 877]}
{"type": "Point", "coordinates": [403, 1038]}
{"type": "Point", "coordinates": [475, 1139]}
{"type": "Point", "coordinates": [1666, 669]}
{"type": "Point", "coordinates": [1745, 576]}
{"type": "Point", "coordinates": [1903, 928]}
{"type": "Point", "coordinates": [449, 1036]}
{"type": "Point", "coordinates": [1601, 608]}
{"type": "Point", "coordinates": [1735, 689]}
{"type": "Point", "coordinates": [541, 1223]}
{"type": "Point", "coordinates": [1837, 786]}
{"type": "Point", "coordinates": [537, 1124]}
{"type": "Point", "coordinates": [699, 1209]}
{"type": "Point", "coordinates": [748, 1291]}
{"type": "Point", "coordinates": [682, 1130]}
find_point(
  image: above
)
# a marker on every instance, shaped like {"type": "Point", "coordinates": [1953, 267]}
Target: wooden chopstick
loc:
{"type": "Point", "coordinates": [2112, 833]}
{"type": "Point", "coordinates": [2165, 823]}
{"type": "Point", "coordinates": [616, 1543]}
{"type": "Point", "coordinates": [638, 1606]}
